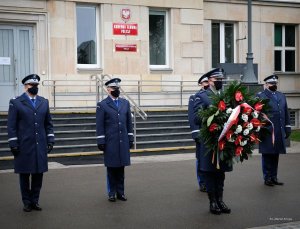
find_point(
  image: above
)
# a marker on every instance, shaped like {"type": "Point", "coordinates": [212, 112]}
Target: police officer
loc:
{"type": "Point", "coordinates": [114, 137]}
{"type": "Point", "coordinates": [203, 83]}
{"type": "Point", "coordinates": [280, 118]}
{"type": "Point", "coordinates": [213, 177]}
{"type": "Point", "coordinates": [31, 137]}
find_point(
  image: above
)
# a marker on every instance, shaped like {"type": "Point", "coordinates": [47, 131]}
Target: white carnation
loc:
{"type": "Point", "coordinates": [257, 129]}
{"type": "Point", "coordinates": [255, 114]}
{"type": "Point", "coordinates": [231, 139]}
{"type": "Point", "coordinates": [229, 111]}
{"type": "Point", "coordinates": [243, 143]}
{"type": "Point", "coordinates": [250, 126]}
{"type": "Point", "coordinates": [245, 117]}
{"type": "Point", "coordinates": [246, 132]}
{"type": "Point", "coordinates": [238, 129]}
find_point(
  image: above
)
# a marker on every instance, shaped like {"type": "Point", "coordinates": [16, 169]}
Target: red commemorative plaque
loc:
{"type": "Point", "coordinates": [125, 47]}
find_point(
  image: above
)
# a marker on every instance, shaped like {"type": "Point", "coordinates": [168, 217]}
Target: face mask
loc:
{"type": "Point", "coordinates": [273, 88]}
{"type": "Point", "coordinates": [206, 87]}
{"type": "Point", "coordinates": [33, 90]}
{"type": "Point", "coordinates": [218, 84]}
{"type": "Point", "coordinates": [115, 93]}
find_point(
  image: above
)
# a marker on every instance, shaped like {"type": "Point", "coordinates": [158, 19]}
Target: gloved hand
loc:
{"type": "Point", "coordinates": [288, 132]}
{"type": "Point", "coordinates": [49, 147]}
{"type": "Point", "coordinates": [197, 140]}
{"type": "Point", "coordinates": [131, 145]}
{"type": "Point", "coordinates": [101, 147]}
{"type": "Point", "coordinates": [15, 150]}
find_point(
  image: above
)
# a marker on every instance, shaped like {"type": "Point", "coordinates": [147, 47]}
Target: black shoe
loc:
{"type": "Point", "coordinates": [121, 197]}
{"type": "Point", "coordinates": [276, 182]}
{"type": "Point", "coordinates": [214, 208]}
{"type": "Point", "coordinates": [112, 198]}
{"type": "Point", "coordinates": [269, 183]}
{"type": "Point", "coordinates": [27, 208]}
{"type": "Point", "coordinates": [202, 188]}
{"type": "Point", "coordinates": [223, 207]}
{"type": "Point", "coordinates": [36, 207]}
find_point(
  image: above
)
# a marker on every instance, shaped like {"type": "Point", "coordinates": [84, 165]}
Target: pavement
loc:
{"type": "Point", "coordinates": [162, 193]}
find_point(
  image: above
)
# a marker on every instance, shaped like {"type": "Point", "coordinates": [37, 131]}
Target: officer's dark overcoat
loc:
{"type": "Point", "coordinates": [202, 101]}
{"type": "Point", "coordinates": [193, 126]}
{"type": "Point", "coordinates": [114, 129]}
{"type": "Point", "coordinates": [31, 130]}
{"type": "Point", "coordinates": [280, 118]}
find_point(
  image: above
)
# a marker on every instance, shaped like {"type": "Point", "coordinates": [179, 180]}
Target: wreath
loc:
{"type": "Point", "coordinates": [233, 124]}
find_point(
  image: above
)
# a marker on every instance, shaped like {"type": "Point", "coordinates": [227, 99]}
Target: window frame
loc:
{"type": "Point", "coordinates": [98, 40]}
{"type": "Point", "coordinates": [167, 34]}
{"type": "Point", "coordinates": [222, 40]}
{"type": "Point", "coordinates": [284, 48]}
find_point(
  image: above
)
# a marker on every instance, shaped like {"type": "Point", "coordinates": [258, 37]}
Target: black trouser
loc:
{"type": "Point", "coordinates": [270, 166]}
{"type": "Point", "coordinates": [30, 189]}
{"type": "Point", "coordinates": [115, 180]}
{"type": "Point", "coordinates": [214, 181]}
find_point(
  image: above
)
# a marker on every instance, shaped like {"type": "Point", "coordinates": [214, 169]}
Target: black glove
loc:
{"type": "Point", "coordinates": [49, 147]}
{"type": "Point", "coordinates": [131, 145]}
{"type": "Point", "coordinates": [101, 147]}
{"type": "Point", "coordinates": [15, 150]}
{"type": "Point", "coordinates": [197, 140]}
{"type": "Point", "coordinates": [287, 132]}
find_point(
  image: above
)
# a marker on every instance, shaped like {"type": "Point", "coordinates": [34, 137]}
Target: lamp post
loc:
{"type": "Point", "coordinates": [248, 76]}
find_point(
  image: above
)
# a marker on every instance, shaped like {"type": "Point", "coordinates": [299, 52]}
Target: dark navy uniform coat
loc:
{"type": "Point", "coordinates": [202, 101]}
{"type": "Point", "coordinates": [114, 129]}
{"type": "Point", "coordinates": [280, 118]}
{"type": "Point", "coordinates": [31, 130]}
{"type": "Point", "coordinates": [193, 126]}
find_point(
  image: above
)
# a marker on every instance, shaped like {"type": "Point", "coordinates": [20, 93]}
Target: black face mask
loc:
{"type": "Point", "coordinates": [218, 84]}
{"type": "Point", "coordinates": [115, 93]}
{"type": "Point", "coordinates": [206, 87]}
{"type": "Point", "coordinates": [273, 88]}
{"type": "Point", "coordinates": [33, 90]}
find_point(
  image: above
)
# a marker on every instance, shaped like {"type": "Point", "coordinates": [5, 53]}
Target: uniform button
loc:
{"type": "Point", "coordinates": [120, 140]}
{"type": "Point", "coordinates": [34, 113]}
{"type": "Point", "coordinates": [119, 123]}
{"type": "Point", "coordinates": [35, 123]}
{"type": "Point", "coordinates": [37, 143]}
{"type": "Point", "coordinates": [120, 132]}
{"type": "Point", "coordinates": [36, 133]}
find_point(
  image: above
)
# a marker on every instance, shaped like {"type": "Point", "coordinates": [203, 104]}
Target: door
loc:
{"type": "Point", "coordinates": [16, 61]}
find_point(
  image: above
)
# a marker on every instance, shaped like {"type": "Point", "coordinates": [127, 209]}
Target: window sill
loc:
{"type": "Point", "coordinates": [90, 70]}
{"type": "Point", "coordinates": [161, 70]}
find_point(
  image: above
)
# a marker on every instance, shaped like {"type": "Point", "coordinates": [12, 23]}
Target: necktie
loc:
{"type": "Point", "coordinates": [33, 102]}
{"type": "Point", "coordinates": [116, 102]}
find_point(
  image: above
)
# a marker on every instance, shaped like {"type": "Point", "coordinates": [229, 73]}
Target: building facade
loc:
{"type": "Point", "coordinates": [70, 43]}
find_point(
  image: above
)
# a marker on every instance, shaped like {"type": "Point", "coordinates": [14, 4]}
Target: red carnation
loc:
{"type": "Point", "coordinates": [238, 151]}
{"type": "Point", "coordinates": [245, 124]}
{"type": "Point", "coordinates": [222, 105]}
{"type": "Point", "coordinates": [253, 138]}
{"type": "Point", "coordinates": [229, 134]}
{"type": "Point", "coordinates": [255, 122]}
{"type": "Point", "coordinates": [213, 127]}
{"type": "Point", "coordinates": [238, 139]}
{"type": "Point", "coordinates": [258, 106]}
{"type": "Point", "coordinates": [221, 145]}
{"type": "Point", "coordinates": [247, 110]}
{"type": "Point", "coordinates": [238, 96]}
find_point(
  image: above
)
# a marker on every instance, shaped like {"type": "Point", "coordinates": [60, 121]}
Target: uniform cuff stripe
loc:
{"type": "Point", "coordinates": [130, 133]}
{"type": "Point", "coordinates": [195, 131]}
{"type": "Point", "coordinates": [50, 135]}
{"type": "Point", "coordinates": [288, 126]}
{"type": "Point", "coordinates": [101, 136]}
{"type": "Point", "coordinates": [12, 139]}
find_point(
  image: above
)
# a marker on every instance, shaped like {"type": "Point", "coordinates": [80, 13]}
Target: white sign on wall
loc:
{"type": "Point", "coordinates": [4, 60]}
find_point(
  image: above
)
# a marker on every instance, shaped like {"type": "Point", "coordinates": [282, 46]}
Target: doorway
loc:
{"type": "Point", "coordinates": [16, 60]}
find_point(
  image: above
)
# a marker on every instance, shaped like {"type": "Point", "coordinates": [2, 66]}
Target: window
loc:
{"type": "Point", "coordinates": [222, 48]}
{"type": "Point", "coordinates": [158, 39]}
{"type": "Point", "coordinates": [285, 48]}
{"type": "Point", "coordinates": [87, 37]}
{"type": "Point", "coordinates": [293, 118]}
